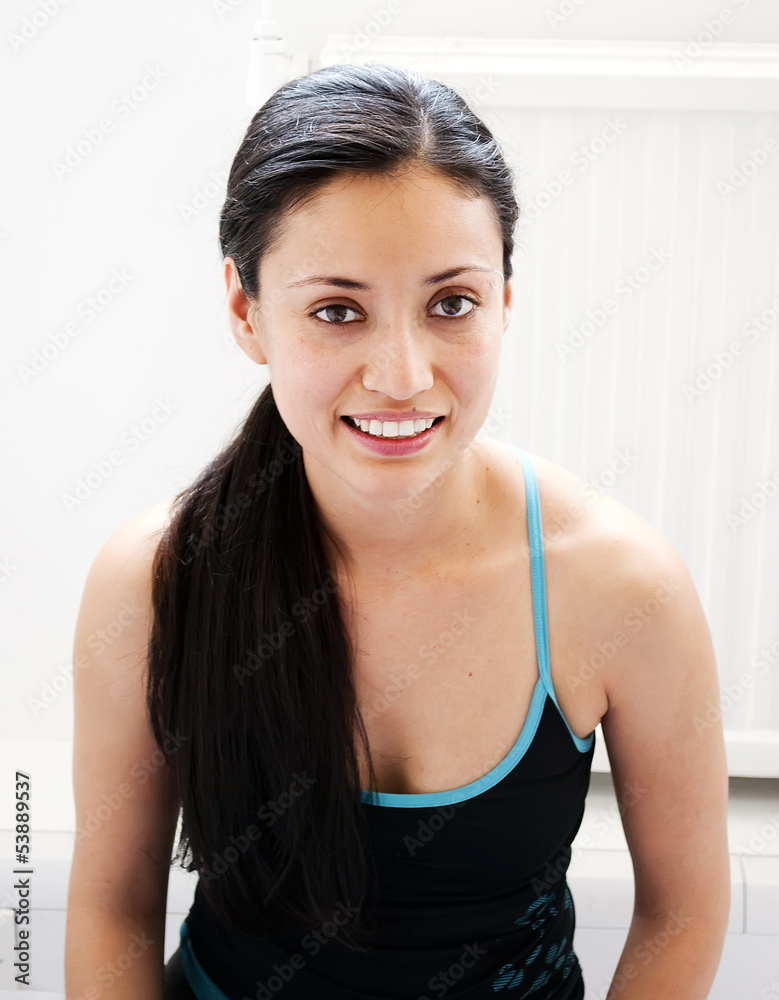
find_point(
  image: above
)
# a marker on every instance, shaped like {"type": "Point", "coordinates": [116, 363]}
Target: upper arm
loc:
{"type": "Point", "coordinates": [667, 756]}
{"type": "Point", "coordinates": [126, 806]}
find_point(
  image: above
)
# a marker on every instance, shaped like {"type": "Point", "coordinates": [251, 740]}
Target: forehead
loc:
{"type": "Point", "coordinates": [411, 213]}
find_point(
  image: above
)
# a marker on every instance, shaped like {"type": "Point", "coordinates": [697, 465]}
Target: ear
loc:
{"type": "Point", "coordinates": [239, 313]}
{"type": "Point", "coordinates": [508, 301]}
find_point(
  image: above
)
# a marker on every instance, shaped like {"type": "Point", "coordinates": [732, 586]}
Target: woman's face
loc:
{"type": "Point", "coordinates": [399, 342]}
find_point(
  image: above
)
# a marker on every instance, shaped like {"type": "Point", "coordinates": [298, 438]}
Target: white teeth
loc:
{"type": "Point", "coordinates": [393, 428]}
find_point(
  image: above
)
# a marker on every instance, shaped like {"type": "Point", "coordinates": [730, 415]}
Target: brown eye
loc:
{"type": "Point", "coordinates": [452, 305]}
{"type": "Point", "coordinates": [335, 307]}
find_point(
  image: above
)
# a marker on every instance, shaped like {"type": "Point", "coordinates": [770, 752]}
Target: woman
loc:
{"type": "Point", "coordinates": [378, 643]}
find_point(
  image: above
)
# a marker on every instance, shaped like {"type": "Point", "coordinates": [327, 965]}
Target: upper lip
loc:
{"type": "Point", "coordinates": [393, 415]}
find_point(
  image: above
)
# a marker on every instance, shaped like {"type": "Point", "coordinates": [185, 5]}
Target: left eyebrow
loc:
{"type": "Point", "coordinates": [350, 283]}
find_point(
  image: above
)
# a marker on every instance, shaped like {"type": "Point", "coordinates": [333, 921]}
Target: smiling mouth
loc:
{"type": "Point", "coordinates": [390, 437]}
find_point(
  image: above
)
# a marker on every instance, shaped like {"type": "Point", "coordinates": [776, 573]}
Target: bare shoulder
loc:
{"type": "Point", "coordinates": [598, 537]}
{"type": "Point", "coordinates": [139, 535]}
{"type": "Point", "coordinates": [120, 574]}
{"type": "Point", "coordinates": [612, 578]}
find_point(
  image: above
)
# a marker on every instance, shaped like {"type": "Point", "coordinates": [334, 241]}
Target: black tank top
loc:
{"type": "Point", "coordinates": [473, 894]}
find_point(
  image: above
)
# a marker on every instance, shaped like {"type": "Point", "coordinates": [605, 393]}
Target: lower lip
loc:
{"type": "Point", "coordinates": [393, 446]}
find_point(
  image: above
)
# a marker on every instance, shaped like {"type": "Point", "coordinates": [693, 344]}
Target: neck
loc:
{"type": "Point", "coordinates": [415, 531]}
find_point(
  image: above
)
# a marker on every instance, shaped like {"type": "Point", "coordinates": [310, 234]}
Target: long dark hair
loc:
{"type": "Point", "coordinates": [249, 657]}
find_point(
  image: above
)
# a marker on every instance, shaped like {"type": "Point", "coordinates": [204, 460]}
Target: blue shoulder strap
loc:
{"type": "Point", "coordinates": [538, 577]}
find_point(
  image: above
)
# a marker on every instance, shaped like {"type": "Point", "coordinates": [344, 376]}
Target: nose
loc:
{"type": "Point", "coordinates": [399, 363]}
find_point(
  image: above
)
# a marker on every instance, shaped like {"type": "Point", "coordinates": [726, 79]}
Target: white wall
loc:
{"type": "Point", "coordinates": [162, 336]}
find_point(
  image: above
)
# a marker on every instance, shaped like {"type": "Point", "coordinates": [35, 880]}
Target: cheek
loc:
{"type": "Point", "coordinates": [307, 387]}
{"type": "Point", "coordinates": [480, 357]}
{"type": "Point", "coordinates": [305, 369]}
{"type": "Point", "coordinates": [473, 371]}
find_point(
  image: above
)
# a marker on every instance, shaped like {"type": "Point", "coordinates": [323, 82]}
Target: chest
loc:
{"type": "Point", "coordinates": [445, 674]}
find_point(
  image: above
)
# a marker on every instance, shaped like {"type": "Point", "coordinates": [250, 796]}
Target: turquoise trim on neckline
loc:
{"type": "Point", "coordinates": [202, 985]}
{"type": "Point", "coordinates": [414, 800]}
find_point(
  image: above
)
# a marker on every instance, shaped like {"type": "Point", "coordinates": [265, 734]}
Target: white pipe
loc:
{"type": "Point", "coordinates": [269, 64]}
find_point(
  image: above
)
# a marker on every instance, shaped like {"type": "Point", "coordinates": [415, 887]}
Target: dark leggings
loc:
{"type": "Point", "coordinates": [175, 983]}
